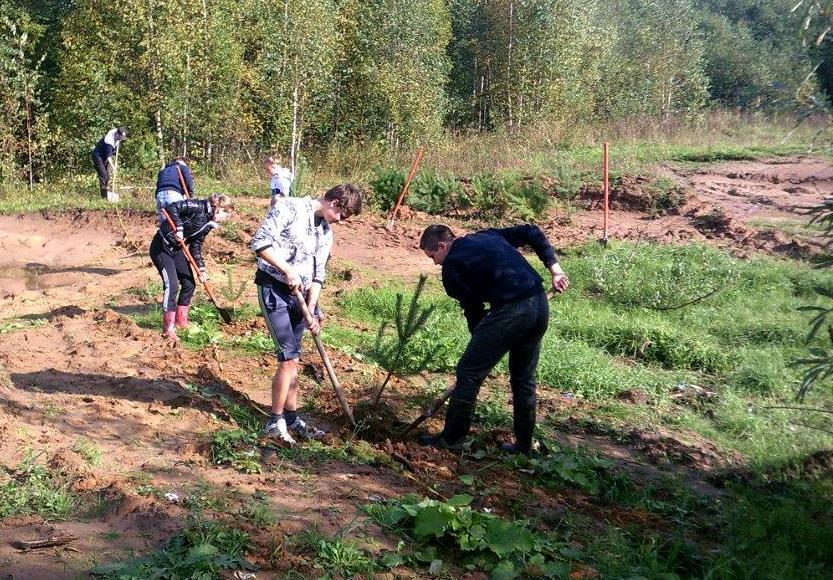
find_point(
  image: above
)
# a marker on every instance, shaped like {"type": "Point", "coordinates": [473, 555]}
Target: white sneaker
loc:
{"type": "Point", "coordinates": [304, 431]}
{"type": "Point", "coordinates": [276, 429]}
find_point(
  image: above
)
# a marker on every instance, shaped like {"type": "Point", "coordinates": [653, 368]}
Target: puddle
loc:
{"type": "Point", "coordinates": [31, 276]}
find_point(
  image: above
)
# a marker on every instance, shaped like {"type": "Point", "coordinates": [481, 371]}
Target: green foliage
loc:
{"type": "Point", "coordinates": [236, 447]}
{"type": "Point", "coordinates": [393, 355]}
{"type": "Point", "coordinates": [337, 557]}
{"type": "Point", "coordinates": [200, 551]}
{"type": "Point", "coordinates": [32, 489]}
{"type": "Point", "coordinates": [575, 467]}
{"type": "Point", "coordinates": [506, 548]}
{"type": "Point", "coordinates": [88, 450]}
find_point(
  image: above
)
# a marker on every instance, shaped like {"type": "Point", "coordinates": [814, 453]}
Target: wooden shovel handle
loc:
{"type": "Point", "coordinates": [325, 359]}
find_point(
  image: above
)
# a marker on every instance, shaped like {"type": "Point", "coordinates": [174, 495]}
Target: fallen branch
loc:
{"type": "Point", "coordinates": [829, 411]}
{"type": "Point", "coordinates": [49, 542]}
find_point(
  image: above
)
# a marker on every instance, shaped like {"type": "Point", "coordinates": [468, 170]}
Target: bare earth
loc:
{"type": "Point", "coordinates": [90, 372]}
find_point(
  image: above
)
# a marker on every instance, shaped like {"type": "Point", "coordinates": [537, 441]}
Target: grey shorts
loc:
{"type": "Point", "coordinates": [285, 321]}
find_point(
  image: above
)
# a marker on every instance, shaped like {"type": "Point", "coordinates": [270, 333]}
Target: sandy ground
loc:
{"type": "Point", "coordinates": [89, 372]}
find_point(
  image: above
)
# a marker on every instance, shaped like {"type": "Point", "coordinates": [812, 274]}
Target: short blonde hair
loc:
{"type": "Point", "coordinates": [221, 200]}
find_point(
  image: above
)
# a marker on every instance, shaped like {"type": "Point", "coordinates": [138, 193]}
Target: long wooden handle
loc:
{"type": "Point", "coordinates": [185, 191]}
{"type": "Point", "coordinates": [190, 258]}
{"type": "Point", "coordinates": [326, 360]}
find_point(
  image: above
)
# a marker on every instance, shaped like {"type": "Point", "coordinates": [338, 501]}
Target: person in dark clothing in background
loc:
{"type": "Point", "coordinates": [102, 157]}
{"type": "Point", "coordinates": [486, 267]}
{"type": "Point", "coordinates": [194, 219]}
{"type": "Point", "coordinates": [173, 183]}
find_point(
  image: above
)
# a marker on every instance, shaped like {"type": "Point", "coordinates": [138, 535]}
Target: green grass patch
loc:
{"type": "Point", "coordinates": [649, 317]}
{"type": "Point", "coordinates": [31, 488]}
{"type": "Point", "coordinates": [201, 550]}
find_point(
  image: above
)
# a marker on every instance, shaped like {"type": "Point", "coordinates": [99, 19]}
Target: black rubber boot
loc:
{"type": "Point", "coordinates": [458, 420]}
{"type": "Point", "coordinates": [524, 423]}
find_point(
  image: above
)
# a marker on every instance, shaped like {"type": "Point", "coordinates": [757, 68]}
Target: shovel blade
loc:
{"type": "Point", "coordinates": [224, 314]}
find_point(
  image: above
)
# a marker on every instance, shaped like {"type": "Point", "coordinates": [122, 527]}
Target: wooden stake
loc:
{"type": "Point", "coordinates": [404, 192]}
{"type": "Point", "coordinates": [606, 188]}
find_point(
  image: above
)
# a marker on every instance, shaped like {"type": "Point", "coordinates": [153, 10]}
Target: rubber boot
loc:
{"type": "Point", "coordinates": [524, 424]}
{"type": "Point", "coordinates": [182, 316]}
{"type": "Point", "coordinates": [169, 325]}
{"type": "Point", "coordinates": [458, 420]}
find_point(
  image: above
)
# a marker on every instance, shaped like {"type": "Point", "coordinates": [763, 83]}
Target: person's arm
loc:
{"type": "Point", "coordinates": [319, 273]}
{"type": "Point", "coordinates": [264, 242]}
{"type": "Point", "coordinates": [532, 236]}
{"type": "Point", "coordinates": [195, 247]}
{"type": "Point", "coordinates": [176, 210]}
{"type": "Point", "coordinates": [457, 288]}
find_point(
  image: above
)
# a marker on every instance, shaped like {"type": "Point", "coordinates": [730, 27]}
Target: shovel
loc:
{"type": "Point", "coordinates": [426, 413]}
{"type": "Point", "coordinates": [224, 313]}
{"type": "Point", "coordinates": [320, 346]}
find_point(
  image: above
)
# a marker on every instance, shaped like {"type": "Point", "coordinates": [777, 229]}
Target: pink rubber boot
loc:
{"type": "Point", "coordinates": [169, 325]}
{"type": "Point", "coordinates": [182, 316]}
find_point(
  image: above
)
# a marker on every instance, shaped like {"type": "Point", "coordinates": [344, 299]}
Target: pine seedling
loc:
{"type": "Point", "coordinates": [231, 291]}
{"type": "Point", "coordinates": [390, 353]}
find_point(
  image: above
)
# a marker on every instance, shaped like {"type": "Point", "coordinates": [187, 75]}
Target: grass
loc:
{"type": "Point", "coordinates": [88, 450]}
{"type": "Point", "coordinates": [619, 328]}
{"type": "Point", "coordinates": [202, 549]}
{"type": "Point", "coordinates": [31, 488]}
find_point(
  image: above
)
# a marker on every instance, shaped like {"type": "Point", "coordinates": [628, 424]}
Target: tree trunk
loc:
{"type": "Point", "coordinates": [509, 61]}
{"type": "Point", "coordinates": [160, 145]}
{"type": "Point", "coordinates": [295, 136]}
{"type": "Point", "coordinates": [29, 141]}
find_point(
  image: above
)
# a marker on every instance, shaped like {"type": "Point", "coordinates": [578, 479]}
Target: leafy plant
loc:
{"type": "Point", "coordinates": [200, 551]}
{"type": "Point", "coordinates": [88, 450]}
{"type": "Point", "coordinates": [32, 489]}
{"type": "Point", "coordinates": [231, 291]}
{"type": "Point", "coordinates": [391, 354]}
{"type": "Point", "coordinates": [483, 541]}
{"type": "Point", "coordinates": [236, 447]}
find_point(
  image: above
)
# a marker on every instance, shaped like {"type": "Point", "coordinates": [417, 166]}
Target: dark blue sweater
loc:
{"type": "Point", "coordinates": [486, 267]}
{"type": "Point", "coordinates": [168, 179]}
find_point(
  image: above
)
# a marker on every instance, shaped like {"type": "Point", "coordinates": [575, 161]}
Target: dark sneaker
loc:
{"type": "Point", "coordinates": [276, 429]}
{"type": "Point", "coordinates": [437, 442]}
{"type": "Point", "coordinates": [304, 431]}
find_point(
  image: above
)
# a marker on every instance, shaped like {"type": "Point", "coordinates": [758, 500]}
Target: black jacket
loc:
{"type": "Point", "coordinates": [193, 218]}
{"type": "Point", "coordinates": [487, 267]}
{"type": "Point", "coordinates": [168, 179]}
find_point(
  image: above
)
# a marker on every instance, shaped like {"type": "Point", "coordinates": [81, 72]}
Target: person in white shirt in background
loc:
{"type": "Point", "coordinates": [280, 179]}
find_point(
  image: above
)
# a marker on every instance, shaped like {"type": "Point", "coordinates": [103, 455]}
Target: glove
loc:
{"type": "Point", "coordinates": [180, 235]}
{"type": "Point", "coordinates": [203, 275]}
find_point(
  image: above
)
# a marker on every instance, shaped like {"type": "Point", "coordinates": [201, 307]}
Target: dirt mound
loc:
{"type": "Point", "coordinates": [635, 194]}
{"type": "Point", "coordinates": [661, 447]}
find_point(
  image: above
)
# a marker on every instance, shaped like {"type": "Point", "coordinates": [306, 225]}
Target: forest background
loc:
{"type": "Point", "coordinates": [223, 82]}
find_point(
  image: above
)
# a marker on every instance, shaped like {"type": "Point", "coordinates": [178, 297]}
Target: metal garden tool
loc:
{"type": "Point", "coordinates": [224, 313]}
{"type": "Point", "coordinates": [325, 359]}
{"type": "Point", "coordinates": [426, 413]}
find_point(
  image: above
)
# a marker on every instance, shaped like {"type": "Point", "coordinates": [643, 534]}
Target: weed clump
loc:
{"type": "Point", "coordinates": [32, 489]}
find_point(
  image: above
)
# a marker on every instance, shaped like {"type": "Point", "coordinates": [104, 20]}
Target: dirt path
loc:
{"type": "Point", "coordinates": [89, 373]}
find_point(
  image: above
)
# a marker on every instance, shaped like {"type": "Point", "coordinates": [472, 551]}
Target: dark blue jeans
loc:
{"type": "Point", "coordinates": [517, 329]}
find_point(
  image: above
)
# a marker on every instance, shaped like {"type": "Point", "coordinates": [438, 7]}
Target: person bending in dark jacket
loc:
{"type": "Point", "coordinates": [194, 219]}
{"type": "Point", "coordinates": [173, 183]}
{"type": "Point", "coordinates": [486, 267]}
{"type": "Point", "coordinates": [102, 157]}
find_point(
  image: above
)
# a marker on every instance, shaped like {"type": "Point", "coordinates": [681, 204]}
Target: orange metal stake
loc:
{"type": "Point", "coordinates": [606, 188]}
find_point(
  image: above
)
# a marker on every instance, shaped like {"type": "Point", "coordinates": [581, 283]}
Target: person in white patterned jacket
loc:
{"type": "Point", "coordinates": [292, 246]}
